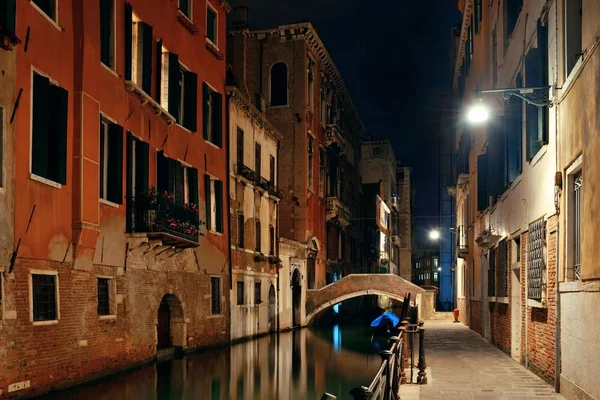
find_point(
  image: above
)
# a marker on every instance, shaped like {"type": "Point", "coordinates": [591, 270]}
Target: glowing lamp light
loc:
{"type": "Point", "coordinates": [434, 235]}
{"type": "Point", "coordinates": [478, 113]}
{"type": "Point", "coordinates": [440, 269]}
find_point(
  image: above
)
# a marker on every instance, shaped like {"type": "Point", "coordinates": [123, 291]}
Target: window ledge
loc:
{"type": "Point", "coordinates": [217, 316]}
{"type": "Point", "coordinates": [187, 23]}
{"type": "Point", "coordinates": [212, 144]}
{"type": "Point", "coordinates": [538, 156]}
{"type": "Point", "coordinates": [42, 323]}
{"type": "Point", "coordinates": [131, 87]}
{"type": "Point", "coordinates": [107, 317]}
{"type": "Point", "coordinates": [109, 69]}
{"type": "Point", "coordinates": [216, 233]}
{"type": "Point", "coordinates": [45, 181]}
{"type": "Point", "coordinates": [109, 203]}
{"type": "Point", "coordinates": [579, 286]}
{"type": "Point", "coordinates": [573, 75]}
{"type": "Point", "coordinates": [212, 48]}
{"type": "Point", "coordinates": [536, 304]}
{"type": "Point", "coordinates": [53, 22]}
{"type": "Point", "coordinates": [503, 300]}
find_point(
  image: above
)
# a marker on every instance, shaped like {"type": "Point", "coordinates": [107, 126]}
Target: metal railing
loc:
{"type": "Point", "coordinates": [245, 171]}
{"type": "Point", "coordinates": [462, 240]}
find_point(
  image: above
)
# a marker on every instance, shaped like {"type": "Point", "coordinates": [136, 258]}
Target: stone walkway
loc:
{"type": "Point", "coordinates": [462, 365]}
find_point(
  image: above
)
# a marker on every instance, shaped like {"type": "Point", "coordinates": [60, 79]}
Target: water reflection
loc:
{"type": "Point", "coordinates": [295, 365]}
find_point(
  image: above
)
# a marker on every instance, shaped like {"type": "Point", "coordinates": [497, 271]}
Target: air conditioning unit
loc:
{"type": "Point", "coordinates": [395, 239]}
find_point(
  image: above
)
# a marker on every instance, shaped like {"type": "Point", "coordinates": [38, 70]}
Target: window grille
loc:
{"type": "Point", "coordinates": [577, 182]}
{"type": "Point", "coordinates": [257, 297]}
{"type": "Point", "coordinates": [103, 296]}
{"type": "Point", "coordinates": [215, 291]}
{"type": "Point", "coordinates": [502, 270]}
{"type": "Point", "coordinates": [492, 273]}
{"type": "Point", "coordinates": [535, 259]}
{"type": "Point", "coordinates": [240, 293]}
{"type": "Point", "coordinates": [44, 297]}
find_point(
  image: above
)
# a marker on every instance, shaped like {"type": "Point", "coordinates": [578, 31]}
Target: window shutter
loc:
{"type": "Point", "coordinates": [147, 62]}
{"type": "Point", "coordinates": [219, 206]}
{"type": "Point", "coordinates": [482, 194]}
{"type": "Point", "coordinates": [207, 201]}
{"type": "Point", "coordinates": [162, 170]}
{"type": "Point", "coordinates": [171, 176]}
{"type": "Point", "coordinates": [115, 163]}
{"type": "Point", "coordinates": [174, 90]}
{"type": "Point", "coordinates": [40, 133]}
{"type": "Point", "coordinates": [141, 167]}
{"type": "Point", "coordinates": [8, 15]}
{"type": "Point", "coordinates": [217, 118]}
{"type": "Point", "coordinates": [542, 36]}
{"type": "Point", "coordinates": [178, 182]}
{"type": "Point", "coordinates": [496, 159]}
{"type": "Point", "coordinates": [128, 40]}
{"type": "Point", "coordinates": [190, 103]}
{"type": "Point", "coordinates": [58, 139]}
{"type": "Point", "coordinates": [159, 71]}
{"type": "Point", "coordinates": [192, 175]}
{"type": "Point", "coordinates": [129, 183]}
{"type": "Point", "coordinates": [205, 109]}
{"type": "Point", "coordinates": [514, 133]}
{"type": "Point", "coordinates": [533, 78]}
{"type": "Point", "coordinates": [105, 8]}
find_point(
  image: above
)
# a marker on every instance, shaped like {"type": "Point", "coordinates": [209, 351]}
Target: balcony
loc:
{"type": "Point", "coordinates": [261, 183]}
{"type": "Point", "coordinates": [274, 191]}
{"type": "Point", "coordinates": [462, 242]}
{"type": "Point", "coordinates": [245, 172]}
{"type": "Point", "coordinates": [163, 219]}
{"type": "Point", "coordinates": [334, 138]}
{"type": "Point", "coordinates": [335, 210]}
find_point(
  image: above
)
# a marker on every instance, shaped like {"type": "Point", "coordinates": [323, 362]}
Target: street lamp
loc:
{"type": "Point", "coordinates": [434, 234]}
{"type": "Point", "coordinates": [478, 112]}
{"type": "Point", "coordinates": [537, 96]}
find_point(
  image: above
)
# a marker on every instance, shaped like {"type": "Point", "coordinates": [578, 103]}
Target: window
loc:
{"type": "Point", "coordinates": [310, 162]}
{"type": "Point", "coordinates": [502, 268]}
{"type": "Point", "coordinates": [176, 89]}
{"type": "Point", "coordinates": [512, 9]}
{"type": "Point", "coordinates": [536, 269]}
{"type": "Point", "coordinates": [107, 33]}
{"type": "Point", "coordinates": [44, 299]}
{"type": "Point", "coordinates": [257, 297]}
{"type": "Point", "coordinates": [257, 160]}
{"type": "Point", "coordinates": [177, 179]}
{"type": "Point", "coordinates": [49, 130]}
{"type": "Point", "coordinates": [111, 161]}
{"type": "Point", "coordinates": [574, 199]}
{"type": "Point", "coordinates": [49, 7]}
{"type": "Point", "coordinates": [469, 47]}
{"type": "Point", "coordinates": [8, 13]}
{"type": "Point", "coordinates": [212, 115]}
{"type": "Point", "coordinates": [310, 83]}
{"type": "Point", "coordinates": [240, 147]}
{"type": "Point", "coordinates": [482, 192]}
{"type": "Point", "coordinates": [185, 7]}
{"type": "Point", "coordinates": [492, 272]}
{"type": "Point", "coordinates": [106, 301]}
{"type": "Point", "coordinates": [240, 293]}
{"type": "Point", "coordinates": [377, 152]}
{"type": "Point", "coordinates": [138, 50]}
{"type": "Point", "coordinates": [278, 84]}
{"type": "Point", "coordinates": [240, 232]}
{"type": "Point", "coordinates": [322, 171]}
{"type": "Point", "coordinates": [573, 33]}
{"type": "Point", "coordinates": [272, 170]}
{"type": "Point", "coordinates": [478, 15]}
{"type": "Point", "coordinates": [257, 236]}
{"type": "Point", "coordinates": [513, 113]}
{"type": "Point", "coordinates": [271, 240]}
{"type": "Point", "coordinates": [211, 24]}
{"type": "Point", "coordinates": [214, 204]}
{"type": "Point", "coordinates": [536, 75]}
{"type": "Point", "coordinates": [215, 295]}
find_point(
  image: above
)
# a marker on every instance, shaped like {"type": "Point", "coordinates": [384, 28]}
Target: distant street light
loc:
{"type": "Point", "coordinates": [439, 268]}
{"type": "Point", "coordinates": [434, 234]}
{"type": "Point", "coordinates": [478, 112]}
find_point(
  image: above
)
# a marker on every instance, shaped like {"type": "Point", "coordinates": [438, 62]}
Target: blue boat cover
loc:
{"type": "Point", "coordinates": [386, 316]}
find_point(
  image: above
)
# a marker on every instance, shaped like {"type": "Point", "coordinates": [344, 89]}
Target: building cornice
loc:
{"type": "Point", "coordinates": [464, 31]}
{"type": "Point", "coordinates": [244, 103]}
{"type": "Point", "coordinates": [305, 31]}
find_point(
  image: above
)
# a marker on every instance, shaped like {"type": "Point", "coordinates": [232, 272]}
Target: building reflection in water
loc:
{"type": "Point", "coordinates": [302, 364]}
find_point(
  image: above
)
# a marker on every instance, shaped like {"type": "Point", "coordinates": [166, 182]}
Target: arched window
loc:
{"type": "Point", "coordinates": [279, 92]}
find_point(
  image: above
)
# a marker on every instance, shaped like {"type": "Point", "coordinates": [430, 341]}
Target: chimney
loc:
{"type": "Point", "coordinates": [239, 17]}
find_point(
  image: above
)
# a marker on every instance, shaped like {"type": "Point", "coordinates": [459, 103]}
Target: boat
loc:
{"type": "Point", "coordinates": [385, 323]}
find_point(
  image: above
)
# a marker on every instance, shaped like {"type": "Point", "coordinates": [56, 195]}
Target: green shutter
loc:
{"type": "Point", "coordinates": [141, 167]}
{"type": "Point", "coordinates": [8, 14]}
{"type": "Point", "coordinates": [217, 101]}
{"type": "Point", "coordinates": [147, 61]}
{"type": "Point", "coordinates": [219, 206]}
{"type": "Point", "coordinates": [190, 102]}
{"type": "Point", "coordinates": [178, 182]}
{"type": "Point", "coordinates": [205, 109]}
{"type": "Point", "coordinates": [158, 71]}
{"type": "Point", "coordinates": [533, 78]}
{"type": "Point", "coordinates": [59, 109]}
{"type": "Point", "coordinates": [174, 89]}
{"type": "Point", "coordinates": [542, 37]}
{"type": "Point", "coordinates": [115, 164]}
{"type": "Point", "coordinates": [128, 40]}
{"type": "Point", "coordinates": [192, 175]}
{"type": "Point", "coordinates": [105, 11]}
{"type": "Point", "coordinates": [171, 176]}
{"type": "Point", "coordinates": [129, 183]}
{"type": "Point", "coordinates": [482, 177]}
{"type": "Point", "coordinates": [40, 133]}
{"type": "Point", "coordinates": [207, 200]}
{"type": "Point", "coordinates": [162, 172]}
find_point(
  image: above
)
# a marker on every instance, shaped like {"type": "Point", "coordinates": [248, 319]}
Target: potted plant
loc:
{"type": "Point", "coordinates": [260, 257]}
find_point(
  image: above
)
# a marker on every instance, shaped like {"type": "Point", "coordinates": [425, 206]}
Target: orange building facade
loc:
{"type": "Point", "coordinates": [121, 237]}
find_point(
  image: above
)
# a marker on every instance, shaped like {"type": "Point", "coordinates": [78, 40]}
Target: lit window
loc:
{"type": "Point", "coordinates": [138, 50]}
{"type": "Point", "coordinates": [178, 90]}
{"type": "Point", "coordinates": [214, 204]}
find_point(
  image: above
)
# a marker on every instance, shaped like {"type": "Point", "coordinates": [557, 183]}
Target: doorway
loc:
{"type": "Point", "coordinates": [272, 309]}
{"type": "Point", "coordinates": [164, 325]}
{"type": "Point", "coordinates": [171, 328]}
{"type": "Point", "coordinates": [296, 298]}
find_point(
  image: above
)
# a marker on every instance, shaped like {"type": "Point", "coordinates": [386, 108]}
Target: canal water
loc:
{"type": "Point", "coordinates": [302, 364]}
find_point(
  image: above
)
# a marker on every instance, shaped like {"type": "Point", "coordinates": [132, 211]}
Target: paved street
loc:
{"type": "Point", "coordinates": [461, 365]}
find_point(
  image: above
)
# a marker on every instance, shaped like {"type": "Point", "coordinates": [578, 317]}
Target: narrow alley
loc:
{"type": "Point", "coordinates": [462, 365]}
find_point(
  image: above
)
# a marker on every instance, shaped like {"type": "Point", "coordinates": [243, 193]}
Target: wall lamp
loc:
{"type": "Point", "coordinates": [537, 96]}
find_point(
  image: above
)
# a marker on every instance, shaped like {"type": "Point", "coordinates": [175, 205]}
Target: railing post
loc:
{"type": "Point", "coordinates": [422, 376]}
{"type": "Point", "coordinates": [403, 352]}
{"type": "Point", "coordinates": [397, 364]}
{"type": "Point", "coordinates": [386, 357]}
{"type": "Point", "coordinates": [361, 393]}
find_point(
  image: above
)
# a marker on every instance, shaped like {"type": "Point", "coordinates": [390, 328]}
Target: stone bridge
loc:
{"type": "Point", "coordinates": [355, 285]}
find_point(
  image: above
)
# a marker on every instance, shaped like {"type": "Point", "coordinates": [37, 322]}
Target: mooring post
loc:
{"type": "Point", "coordinates": [396, 341]}
{"type": "Point", "coordinates": [422, 376]}
{"type": "Point", "coordinates": [361, 393]}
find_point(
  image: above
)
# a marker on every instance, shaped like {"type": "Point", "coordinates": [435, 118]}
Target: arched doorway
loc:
{"type": "Point", "coordinates": [171, 329]}
{"type": "Point", "coordinates": [296, 298]}
{"type": "Point", "coordinates": [272, 309]}
{"type": "Point", "coordinates": [311, 264]}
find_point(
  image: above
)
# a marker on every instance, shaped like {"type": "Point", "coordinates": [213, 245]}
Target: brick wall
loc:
{"type": "Point", "coordinates": [500, 313]}
{"type": "Point", "coordinates": [475, 322]}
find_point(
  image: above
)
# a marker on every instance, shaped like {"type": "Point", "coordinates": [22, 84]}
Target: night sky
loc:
{"type": "Point", "coordinates": [394, 57]}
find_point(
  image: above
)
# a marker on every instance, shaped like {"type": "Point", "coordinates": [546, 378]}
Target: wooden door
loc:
{"type": "Point", "coordinates": [164, 325]}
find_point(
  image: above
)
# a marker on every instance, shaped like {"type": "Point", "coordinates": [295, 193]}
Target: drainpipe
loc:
{"type": "Point", "coordinates": [557, 346]}
{"type": "Point", "coordinates": [277, 239]}
{"type": "Point", "coordinates": [228, 186]}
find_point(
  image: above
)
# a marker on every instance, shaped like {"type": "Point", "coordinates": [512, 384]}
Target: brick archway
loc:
{"type": "Point", "coordinates": [355, 285]}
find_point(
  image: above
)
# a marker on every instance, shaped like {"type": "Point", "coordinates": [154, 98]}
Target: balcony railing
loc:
{"type": "Point", "coordinates": [262, 183]}
{"type": "Point", "coordinates": [159, 216]}
{"type": "Point", "coordinates": [245, 172]}
{"type": "Point", "coordinates": [334, 137]}
{"type": "Point", "coordinates": [336, 210]}
{"type": "Point", "coordinates": [275, 191]}
{"type": "Point", "coordinates": [462, 241]}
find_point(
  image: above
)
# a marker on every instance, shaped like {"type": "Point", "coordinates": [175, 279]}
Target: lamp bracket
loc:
{"type": "Point", "coordinates": [537, 96]}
